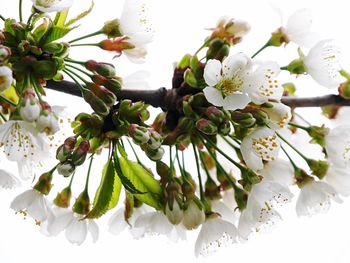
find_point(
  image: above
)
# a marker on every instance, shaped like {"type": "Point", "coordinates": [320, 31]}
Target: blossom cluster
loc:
{"type": "Point", "coordinates": [224, 108]}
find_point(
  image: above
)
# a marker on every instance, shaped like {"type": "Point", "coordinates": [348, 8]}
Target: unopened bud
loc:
{"type": "Point", "coordinates": [212, 191]}
{"type": "Point", "coordinates": [225, 128]}
{"type": "Point", "coordinates": [140, 134]}
{"type": "Point", "coordinates": [112, 84]}
{"type": "Point", "coordinates": [246, 120]}
{"type": "Point", "coordinates": [79, 154]}
{"type": "Point", "coordinates": [155, 155]}
{"type": "Point", "coordinates": [218, 49]}
{"type": "Point", "coordinates": [104, 69]}
{"type": "Point", "coordinates": [66, 168]}
{"type": "Point", "coordinates": [53, 48]}
{"type": "Point", "coordinates": [184, 62]}
{"type": "Point", "coordinates": [155, 140]}
{"type": "Point", "coordinates": [206, 126]}
{"type": "Point", "coordinates": [103, 93]}
{"type": "Point", "coordinates": [95, 102]}
{"type": "Point", "coordinates": [215, 115]}
{"type": "Point", "coordinates": [30, 108]}
{"type": "Point", "coordinates": [261, 117]}
{"type": "Point", "coordinates": [174, 213]}
{"type": "Point", "coordinates": [5, 53]}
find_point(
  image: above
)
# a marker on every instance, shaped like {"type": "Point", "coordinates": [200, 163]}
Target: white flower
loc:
{"type": "Point", "coordinates": [5, 78]}
{"type": "Point", "coordinates": [174, 215]}
{"type": "Point", "coordinates": [156, 223]}
{"type": "Point", "coordinates": [227, 81]}
{"type": "Point", "coordinates": [339, 179]}
{"type": "Point", "coordinates": [272, 172]}
{"type": "Point", "coordinates": [215, 233]}
{"type": "Point", "coordinates": [48, 123]}
{"type": "Point", "coordinates": [75, 227]}
{"type": "Point", "coordinates": [136, 26]}
{"type": "Point", "coordinates": [117, 222]}
{"type": "Point", "coordinates": [30, 111]}
{"type": "Point", "coordinates": [315, 197]}
{"type": "Point", "coordinates": [323, 64]}
{"type": "Point", "coordinates": [8, 180]}
{"type": "Point", "coordinates": [48, 6]}
{"type": "Point", "coordinates": [337, 144]}
{"type": "Point", "coordinates": [262, 84]}
{"type": "Point", "coordinates": [33, 203]}
{"type": "Point", "coordinates": [260, 213]}
{"type": "Point", "coordinates": [193, 216]}
{"type": "Point", "coordinates": [279, 115]}
{"type": "Point", "coordinates": [298, 28]}
{"type": "Point", "coordinates": [226, 212]}
{"type": "Point", "coordinates": [261, 145]}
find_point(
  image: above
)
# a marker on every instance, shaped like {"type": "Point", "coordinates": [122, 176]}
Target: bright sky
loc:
{"type": "Point", "coordinates": [179, 29]}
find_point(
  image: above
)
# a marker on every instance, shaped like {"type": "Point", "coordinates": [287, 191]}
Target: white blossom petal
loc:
{"type": "Point", "coordinates": [213, 96]}
{"type": "Point", "coordinates": [236, 101]}
{"type": "Point", "coordinates": [212, 72]}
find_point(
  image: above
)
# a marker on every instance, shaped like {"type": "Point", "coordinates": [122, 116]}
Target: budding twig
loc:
{"type": "Point", "coordinates": [166, 98]}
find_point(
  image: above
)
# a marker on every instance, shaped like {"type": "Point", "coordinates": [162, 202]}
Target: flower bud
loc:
{"type": "Point", "coordinates": [112, 84]}
{"type": "Point", "coordinates": [30, 109]}
{"type": "Point", "coordinates": [79, 154]}
{"type": "Point", "coordinates": [95, 102]}
{"type": "Point", "coordinates": [116, 45]}
{"type": "Point", "coordinates": [174, 213]}
{"type": "Point", "coordinates": [218, 49]}
{"type": "Point", "coordinates": [63, 198]}
{"type": "Point", "coordinates": [112, 28]}
{"type": "Point", "coordinates": [344, 90]}
{"type": "Point", "coordinates": [206, 126]}
{"type": "Point", "coordinates": [44, 183]}
{"type": "Point", "coordinates": [5, 53]}
{"type": "Point", "coordinates": [231, 30]}
{"type": "Point", "coordinates": [140, 134]}
{"type": "Point", "coordinates": [212, 191]}
{"type": "Point", "coordinates": [82, 204]}
{"type": "Point", "coordinates": [261, 117]}
{"type": "Point", "coordinates": [244, 119]}
{"type": "Point", "coordinates": [155, 155]}
{"type": "Point", "coordinates": [104, 69]}
{"type": "Point", "coordinates": [184, 62]}
{"type": "Point", "coordinates": [54, 48]}
{"type": "Point", "coordinates": [193, 216]}
{"type": "Point", "coordinates": [225, 128]}
{"type": "Point", "coordinates": [215, 115]}
{"type": "Point", "coordinates": [5, 78]}
{"type": "Point", "coordinates": [155, 140]}
{"type": "Point", "coordinates": [66, 168]}
{"type": "Point", "coordinates": [103, 93]}
{"type": "Point", "coordinates": [296, 67]}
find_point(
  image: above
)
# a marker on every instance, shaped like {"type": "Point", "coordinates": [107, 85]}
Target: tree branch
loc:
{"type": "Point", "coordinates": [164, 98]}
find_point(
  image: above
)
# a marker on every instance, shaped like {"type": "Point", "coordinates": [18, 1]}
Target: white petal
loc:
{"type": "Point", "coordinates": [213, 96]}
{"type": "Point", "coordinates": [8, 180]}
{"type": "Point", "coordinates": [23, 200]}
{"type": "Point", "coordinates": [236, 64]}
{"type": "Point", "coordinates": [236, 101]}
{"type": "Point", "coordinates": [94, 230]}
{"type": "Point", "coordinates": [61, 218]}
{"type": "Point", "coordinates": [117, 222]}
{"type": "Point", "coordinates": [212, 72]}
{"type": "Point", "coordinates": [76, 231]}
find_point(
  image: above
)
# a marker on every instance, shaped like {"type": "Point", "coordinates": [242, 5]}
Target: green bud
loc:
{"type": "Point", "coordinates": [245, 120]}
{"type": "Point", "coordinates": [190, 78]}
{"type": "Point", "coordinates": [241, 197]}
{"type": "Point", "coordinates": [103, 93]}
{"type": "Point", "coordinates": [139, 134]}
{"type": "Point", "coordinates": [44, 69]}
{"type": "Point", "coordinates": [261, 117]}
{"type": "Point", "coordinates": [296, 67]}
{"type": "Point", "coordinates": [63, 198]}
{"type": "Point", "coordinates": [289, 88]}
{"type": "Point", "coordinates": [67, 168]}
{"type": "Point", "coordinates": [163, 170]}
{"type": "Point", "coordinates": [53, 48]}
{"type": "Point", "coordinates": [215, 115]}
{"type": "Point", "coordinates": [184, 62]}
{"type": "Point", "coordinates": [302, 178]}
{"type": "Point", "coordinates": [206, 126]}
{"type": "Point", "coordinates": [225, 128]}
{"type": "Point", "coordinates": [95, 102]}
{"type": "Point", "coordinates": [82, 204]}
{"type": "Point", "coordinates": [79, 154]}
{"type": "Point", "coordinates": [212, 191]}
{"type": "Point", "coordinates": [155, 155]}
{"type": "Point", "coordinates": [5, 53]}
{"type": "Point", "coordinates": [113, 85]}
{"type": "Point", "coordinates": [318, 134]}
{"type": "Point", "coordinates": [218, 49]}
{"type": "Point", "coordinates": [319, 168]}
{"type": "Point", "coordinates": [278, 38]}
{"type": "Point", "coordinates": [44, 183]}
{"type": "Point", "coordinates": [41, 30]}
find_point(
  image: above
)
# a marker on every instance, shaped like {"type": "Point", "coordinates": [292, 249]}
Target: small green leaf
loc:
{"type": "Point", "coordinates": [107, 194]}
{"type": "Point", "coordinates": [55, 33]}
{"type": "Point", "coordinates": [82, 15]}
{"type": "Point", "coordinates": [142, 180]}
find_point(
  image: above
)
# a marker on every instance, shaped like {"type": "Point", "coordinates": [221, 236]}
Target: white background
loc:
{"type": "Point", "coordinates": [180, 29]}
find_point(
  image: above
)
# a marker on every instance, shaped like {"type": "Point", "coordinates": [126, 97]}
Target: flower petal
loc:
{"type": "Point", "coordinates": [76, 231]}
{"type": "Point", "coordinates": [236, 101]}
{"type": "Point", "coordinates": [213, 96]}
{"type": "Point", "coordinates": [212, 72]}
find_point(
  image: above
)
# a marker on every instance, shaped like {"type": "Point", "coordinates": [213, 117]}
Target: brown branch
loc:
{"type": "Point", "coordinates": [165, 98]}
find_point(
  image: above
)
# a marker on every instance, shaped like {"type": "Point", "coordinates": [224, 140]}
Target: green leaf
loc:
{"type": "Point", "coordinates": [82, 15]}
{"type": "Point", "coordinates": [107, 194]}
{"type": "Point", "coordinates": [143, 181]}
{"type": "Point", "coordinates": [55, 33]}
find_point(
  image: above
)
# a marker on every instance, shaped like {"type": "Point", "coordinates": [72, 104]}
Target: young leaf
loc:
{"type": "Point", "coordinates": [107, 194]}
{"type": "Point", "coordinates": [143, 181]}
{"type": "Point", "coordinates": [80, 16]}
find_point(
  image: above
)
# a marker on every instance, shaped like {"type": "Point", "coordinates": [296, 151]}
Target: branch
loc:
{"type": "Point", "coordinates": [165, 98]}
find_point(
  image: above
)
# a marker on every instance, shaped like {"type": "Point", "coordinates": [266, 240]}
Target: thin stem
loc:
{"type": "Point", "coordinates": [4, 99]}
{"type": "Point", "coordinates": [88, 174]}
{"type": "Point", "coordinates": [261, 49]}
{"type": "Point", "coordinates": [20, 11]}
{"type": "Point", "coordinates": [204, 165]}
{"type": "Point", "coordinates": [291, 146]}
{"type": "Point", "coordinates": [201, 192]}
{"type": "Point", "coordinates": [241, 167]}
{"type": "Point", "coordinates": [290, 159]}
{"type": "Point", "coordinates": [80, 70]}
{"type": "Point", "coordinates": [179, 164]}
{"type": "Point", "coordinates": [85, 45]}
{"type": "Point", "coordinates": [202, 46]}
{"type": "Point", "coordinates": [229, 143]}
{"type": "Point", "coordinates": [77, 75]}
{"type": "Point", "coordinates": [74, 61]}
{"type": "Point", "coordinates": [74, 79]}
{"type": "Point", "coordinates": [86, 36]}
{"type": "Point", "coordinates": [298, 126]}
{"type": "Point", "coordinates": [2, 18]}
{"type": "Point", "coordinates": [133, 150]}
{"type": "Point", "coordinates": [71, 180]}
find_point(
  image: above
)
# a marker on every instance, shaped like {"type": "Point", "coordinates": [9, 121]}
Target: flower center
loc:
{"type": "Point", "coordinates": [231, 85]}
{"type": "Point", "coordinates": [266, 147]}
